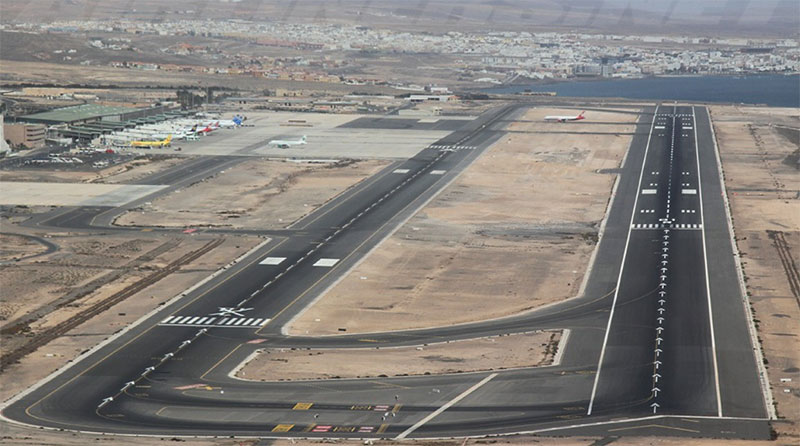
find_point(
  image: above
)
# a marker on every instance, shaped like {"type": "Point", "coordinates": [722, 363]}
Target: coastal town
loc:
{"type": "Point", "coordinates": [335, 53]}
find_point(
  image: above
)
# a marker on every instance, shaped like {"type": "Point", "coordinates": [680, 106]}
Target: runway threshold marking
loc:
{"type": "Point", "coordinates": [446, 406]}
{"type": "Point", "coordinates": [211, 321]}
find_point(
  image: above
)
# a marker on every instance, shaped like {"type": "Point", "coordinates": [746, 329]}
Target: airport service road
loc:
{"type": "Point", "coordinates": [653, 348]}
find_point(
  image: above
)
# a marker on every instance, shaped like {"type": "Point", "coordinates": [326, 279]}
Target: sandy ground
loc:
{"type": "Point", "coordinates": [255, 194]}
{"type": "Point", "coordinates": [531, 205]}
{"type": "Point", "coordinates": [20, 436]}
{"type": "Point", "coordinates": [14, 247]}
{"type": "Point", "coordinates": [78, 261]}
{"type": "Point", "coordinates": [495, 353]}
{"type": "Point", "coordinates": [763, 189]}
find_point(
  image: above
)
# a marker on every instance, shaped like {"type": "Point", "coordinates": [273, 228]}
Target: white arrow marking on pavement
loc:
{"type": "Point", "coordinates": [654, 406]}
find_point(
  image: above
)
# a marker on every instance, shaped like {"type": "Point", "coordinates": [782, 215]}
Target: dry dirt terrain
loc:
{"type": "Point", "coordinates": [763, 184]}
{"type": "Point", "coordinates": [534, 349]}
{"type": "Point", "coordinates": [258, 193]}
{"type": "Point", "coordinates": [14, 247]}
{"type": "Point", "coordinates": [19, 436]}
{"type": "Point", "coordinates": [531, 205]}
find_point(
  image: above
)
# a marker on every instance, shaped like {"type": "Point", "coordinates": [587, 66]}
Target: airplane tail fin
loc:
{"type": "Point", "coordinates": [580, 116]}
{"type": "Point", "coordinates": [169, 139]}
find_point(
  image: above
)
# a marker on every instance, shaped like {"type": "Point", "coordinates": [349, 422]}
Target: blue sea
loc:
{"type": "Point", "coordinates": [774, 89]}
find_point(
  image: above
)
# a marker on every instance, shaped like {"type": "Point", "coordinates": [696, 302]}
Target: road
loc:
{"type": "Point", "coordinates": [654, 347]}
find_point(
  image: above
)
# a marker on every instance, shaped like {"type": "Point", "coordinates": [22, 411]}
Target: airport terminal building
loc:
{"type": "Point", "coordinates": [88, 121]}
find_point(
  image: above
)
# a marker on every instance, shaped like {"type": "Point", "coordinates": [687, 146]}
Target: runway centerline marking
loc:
{"type": "Point", "coordinates": [446, 406]}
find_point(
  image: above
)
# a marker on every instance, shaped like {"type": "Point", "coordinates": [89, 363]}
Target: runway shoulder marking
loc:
{"type": "Point", "coordinates": [326, 263]}
{"type": "Point", "coordinates": [400, 171]}
{"type": "Point", "coordinates": [272, 261]}
{"type": "Point", "coordinates": [283, 428]}
{"type": "Point", "coordinates": [213, 321]}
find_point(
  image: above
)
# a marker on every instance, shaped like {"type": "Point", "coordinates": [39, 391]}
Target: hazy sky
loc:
{"type": "Point", "coordinates": [729, 17]}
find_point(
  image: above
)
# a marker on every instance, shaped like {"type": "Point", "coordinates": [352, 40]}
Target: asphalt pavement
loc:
{"type": "Point", "coordinates": [651, 344]}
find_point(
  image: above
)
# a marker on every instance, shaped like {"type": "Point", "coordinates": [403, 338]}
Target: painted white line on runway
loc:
{"type": "Point", "coordinates": [649, 191]}
{"type": "Point", "coordinates": [447, 405]}
{"type": "Point", "coordinates": [438, 172]}
{"type": "Point", "coordinates": [272, 261]}
{"type": "Point", "coordinates": [326, 263]}
{"type": "Point", "coordinates": [689, 191]}
{"type": "Point", "coordinates": [400, 171]}
{"type": "Point", "coordinates": [621, 268]}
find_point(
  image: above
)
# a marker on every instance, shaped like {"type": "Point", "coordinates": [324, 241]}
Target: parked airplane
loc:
{"type": "Point", "coordinates": [232, 123]}
{"type": "Point", "coordinates": [161, 143]}
{"type": "Point", "coordinates": [285, 144]}
{"type": "Point", "coordinates": [208, 128]}
{"type": "Point", "coordinates": [565, 118]}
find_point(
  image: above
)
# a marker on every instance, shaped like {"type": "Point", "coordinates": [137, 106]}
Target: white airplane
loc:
{"type": "Point", "coordinates": [562, 118]}
{"type": "Point", "coordinates": [232, 123]}
{"type": "Point", "coordinates": [285, 144]}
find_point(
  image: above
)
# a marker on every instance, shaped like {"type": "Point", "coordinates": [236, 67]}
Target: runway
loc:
{"type": "Point", "coordinates": [654, 348]}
